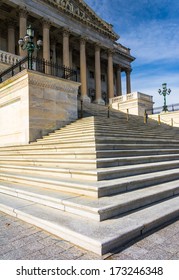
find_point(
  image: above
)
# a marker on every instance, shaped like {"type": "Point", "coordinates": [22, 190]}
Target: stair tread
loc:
{"type": "Point", "coordinates": [94, 171]}
{"type": "Point", "coordinates": [91, 204]}
{"type": "Point", "coordinates": [94, 235]}
{"type": "Point", "coordinates": [98, 184]}
{"type": "Point", "coordinates": [19, 157]}
{"type": "Point", "coordinates": [98, 189]}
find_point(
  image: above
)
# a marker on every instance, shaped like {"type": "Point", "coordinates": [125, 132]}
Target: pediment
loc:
{"type": "Point", "coordinates": [81, 11]}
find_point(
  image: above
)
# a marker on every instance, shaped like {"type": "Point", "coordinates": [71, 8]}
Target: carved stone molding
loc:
{"type": "Point", "coordinates": [50, 84]}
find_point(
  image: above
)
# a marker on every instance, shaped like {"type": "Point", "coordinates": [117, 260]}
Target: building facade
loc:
{"type": "Point", "coordinates": [73, 35]}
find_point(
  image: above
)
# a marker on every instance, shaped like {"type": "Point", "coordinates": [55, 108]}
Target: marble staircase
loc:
{"type": "Point", "coordinates": [98, 182]}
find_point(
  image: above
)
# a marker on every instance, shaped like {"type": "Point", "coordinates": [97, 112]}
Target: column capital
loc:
{"type": "Point", "coordinates": [11, 23]}
{"type": "Point", "coordinates": [119, 67]}
{"type": "Point", "coordinates": [83, 40]}
{"type": "Point", "coordinates": [128, 71]}
{"type": "Point", "coordinates": [66, 32]}
{"type": "Point", "coordinates": [110, 52]}
{"type": "Point", "coordinates": [98, 46]}
{"type": "Point", "coordinates": [23, 12]}
{"type": "Point", "coordinates": [46, 23]}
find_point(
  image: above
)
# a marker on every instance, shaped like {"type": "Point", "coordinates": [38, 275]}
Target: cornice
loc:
{"type": "Point", "coordinates": [79, 10]}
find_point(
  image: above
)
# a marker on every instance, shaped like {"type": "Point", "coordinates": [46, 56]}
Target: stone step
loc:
{"type": "Point", "coordinates": [111, 134]}
{"type": "Point", "coordinates": [88, 145]}
{"type": "Point", "coordinates": [46, 155]}
{"type": "Point", "coordinates": [89, 188]}
{"type": "Point", "coordinates": [85, 163]}
{"type": "Point", "coordinates": [117, 123]}
{"type": "Point", "coordinates": [107, 139]}
{"type": "Point", "coordinates": [111, 127]}
{"type": "Point", "coordinates": [95, 209]}
{"type": "Point", "coordinates": [99, 237]}
{"type": "Point", "coordinates": [88, 148]}
{"type": "Point", "coordinates": [135, 169]}
{"type": "Point", "coordinates": [51, 172]}
{"type": "Point", "coordinates": [118, 151]}
{"type": "Point", "coordinates": [50, 162]}
{"type": "Point", "coordinates": [94, 174]}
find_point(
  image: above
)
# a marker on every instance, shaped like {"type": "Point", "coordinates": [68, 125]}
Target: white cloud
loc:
{"type": "Point", "coordinates": [155, 41]}
{"type": "Point", "coordinates": [150, 85]}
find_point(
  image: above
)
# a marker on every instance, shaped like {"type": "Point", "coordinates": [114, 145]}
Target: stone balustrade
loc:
{"type": "Point", "coordinates": [9, 58]}
{"type": "Point", "coordinates": [122, 48]}
{"type": "Point", "coordinates": [134, 95]}
{"type": "Point", "coordinates": [135, 103]}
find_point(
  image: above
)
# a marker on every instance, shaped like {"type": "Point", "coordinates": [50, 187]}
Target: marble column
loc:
{"type": "Point", "coordinates": [22, 29]}
{"type": "Point", "coordinates": [53, 49]}
{"type": "Point", "coordinates": [66, 49]}
{"type": "Point", "coordinates": [0, 40]}
{"type": "Point", "coordinates": [128, 81]}
{"type": "Point", "coordinates": [11, 38]}
{"type": "Point", "coordinates": [98, 98]}
{"type": "Point", "coordinates": [71, 58]}
{"type": "Point", "coordinates": [46, 40]}
{"type": "Point", "coordinates": [118, 82]}
{"type": "Point", "coordinates": [46, 45]}
{"type": "Point", "coordinates": [110, 75]}
{"type": "Point", "coordinates": [83, 71]}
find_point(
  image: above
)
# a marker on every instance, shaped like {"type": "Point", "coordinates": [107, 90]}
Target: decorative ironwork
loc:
{"type": "Point", "coordinates": [158, 110]}
{"type": "Point", "coordinates": [164, 93]}
{"type": "Point", "coordinates": [40, 65]}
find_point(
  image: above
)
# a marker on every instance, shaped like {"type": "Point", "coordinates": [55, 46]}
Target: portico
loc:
{"type": "Point", "coordinates": [74, 36]}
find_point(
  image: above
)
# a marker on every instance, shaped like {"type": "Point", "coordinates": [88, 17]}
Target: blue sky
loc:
{"type": "Point", "coordinates": [150, 28]}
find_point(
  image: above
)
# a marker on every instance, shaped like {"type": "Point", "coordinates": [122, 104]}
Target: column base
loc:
{"type": "Point", "coordinates": [99, 101]}
{"type": "Point", "coordinates": [86, 99]}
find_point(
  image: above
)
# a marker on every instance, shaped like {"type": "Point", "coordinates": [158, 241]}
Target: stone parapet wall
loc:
{"type": "Point", "coordinates": [135, 103]}
{"type": "Point", "coordinates": [170, 118]}
{"type": "Point", "coordinates": [33, 104]}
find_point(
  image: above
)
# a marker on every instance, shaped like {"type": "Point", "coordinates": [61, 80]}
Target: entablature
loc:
{"type": "Point", "coordinates": [79, 10]}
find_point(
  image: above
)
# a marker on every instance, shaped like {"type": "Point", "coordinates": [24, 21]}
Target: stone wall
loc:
{"type": "Point", "coordinates": [14, 110]}
{"type": "Point", "coordinates": [33, 104]}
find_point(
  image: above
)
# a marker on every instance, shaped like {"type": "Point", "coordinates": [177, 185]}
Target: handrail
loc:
{"type": "Point", "coordinates": [157, 110]}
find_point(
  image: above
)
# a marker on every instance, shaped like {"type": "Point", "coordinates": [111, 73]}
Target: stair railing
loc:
{"type": "Point", "coordinates": [40, 65]}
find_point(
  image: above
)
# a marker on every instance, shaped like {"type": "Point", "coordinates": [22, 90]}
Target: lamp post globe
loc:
{"type": "Point", "coordinates": [27, 43]}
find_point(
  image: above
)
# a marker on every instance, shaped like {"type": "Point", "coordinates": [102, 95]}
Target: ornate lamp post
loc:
{"type": "Point", "coordinates": [26, 43]}
{"type": "Point", "coordinates": [164, 93]}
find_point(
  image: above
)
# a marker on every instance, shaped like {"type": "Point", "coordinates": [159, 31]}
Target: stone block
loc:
{"type": "Point", "coordinates": [32, 103]}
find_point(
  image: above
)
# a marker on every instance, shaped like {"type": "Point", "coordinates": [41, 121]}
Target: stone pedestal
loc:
{"type": "Point", "coordinates": [33, 104]}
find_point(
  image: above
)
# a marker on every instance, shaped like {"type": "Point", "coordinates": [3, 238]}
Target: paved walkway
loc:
{"type": "Point", "coordinates": [22, 241]}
